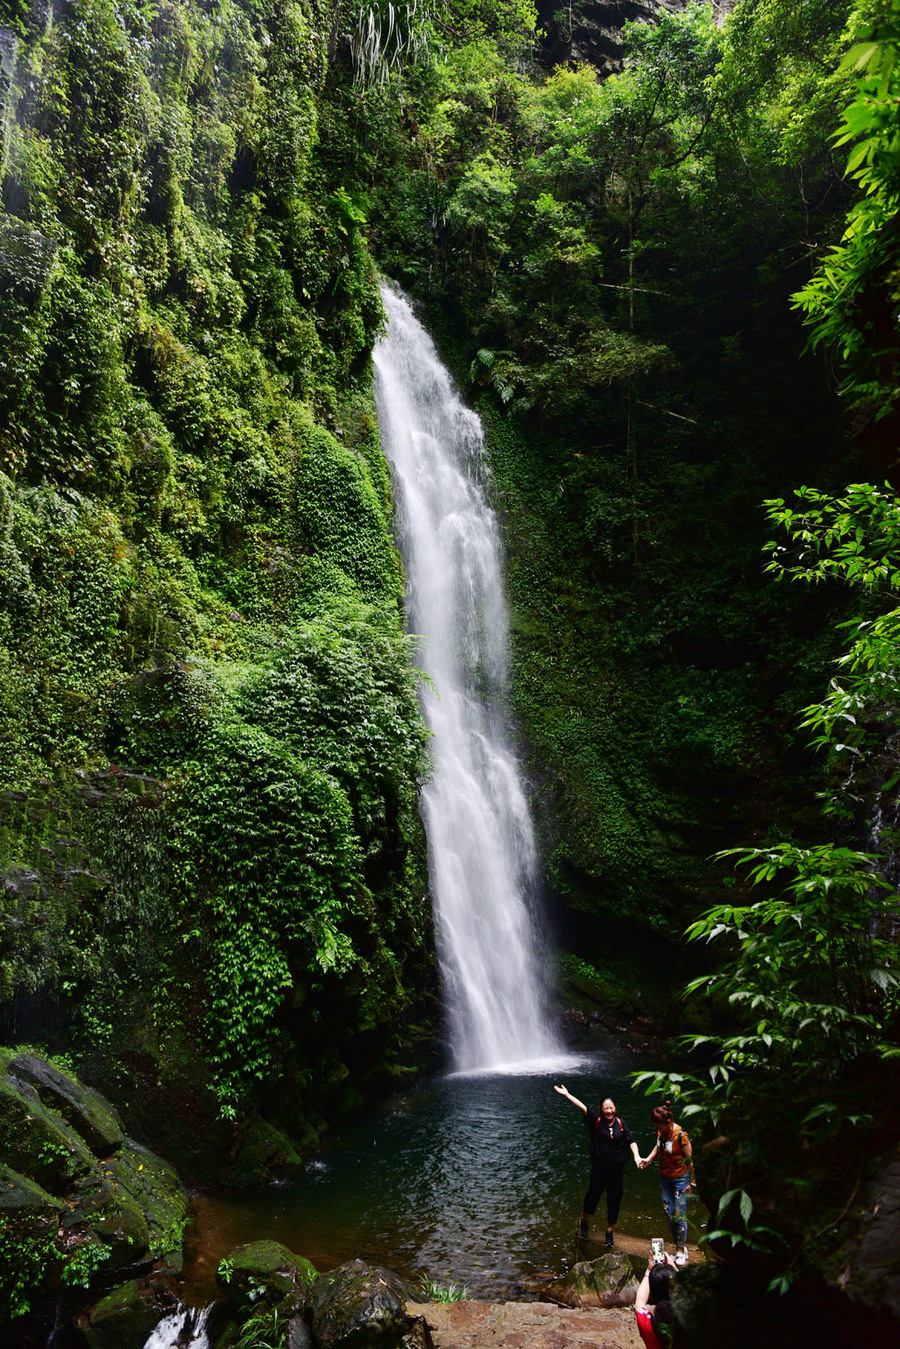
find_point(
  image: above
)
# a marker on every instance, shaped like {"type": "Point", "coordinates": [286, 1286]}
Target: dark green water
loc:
{"type": "Point", "coordinates": [467, 1180]}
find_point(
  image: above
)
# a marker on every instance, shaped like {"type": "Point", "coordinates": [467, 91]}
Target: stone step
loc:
{"type": "Point", "coordinates": [526, 1325]}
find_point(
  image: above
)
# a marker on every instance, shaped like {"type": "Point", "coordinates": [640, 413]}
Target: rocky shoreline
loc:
{"type": "Point", "coordinates": [92, 1229]}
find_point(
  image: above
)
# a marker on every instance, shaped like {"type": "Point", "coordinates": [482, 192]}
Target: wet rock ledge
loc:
{"type": "Point", "coordinates": [525, 1325]}
{"type": "Point", "coordinates": [82, 1205]}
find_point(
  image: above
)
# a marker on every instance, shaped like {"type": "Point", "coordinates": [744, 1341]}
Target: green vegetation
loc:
{"type": "Point", "coordinates": [439, 1292]}
{"type": "Point", "coordinates": [78, 1199]}
{"type": "Point", "coordinates": [210, 745]}
{"type": "Point", "coordinates": [809, 980]}
{"type": "Point", "coordinates": [210, 748]}
{"type": "Point", "coordinates": [609, 267]}
{"type": "Point", "coordinates": [849, 300]}
{"type": "Point", "coordinates": [28, 1252]}
{"type": "Point", "coordinates": [262, 1330]}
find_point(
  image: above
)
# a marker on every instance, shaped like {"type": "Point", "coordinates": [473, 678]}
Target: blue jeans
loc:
{"type": "Point", "coordinates": [674, 1199]}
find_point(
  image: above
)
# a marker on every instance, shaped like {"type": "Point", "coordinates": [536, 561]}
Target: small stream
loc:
{"type": "Point", "coordinates": [472, 1180]}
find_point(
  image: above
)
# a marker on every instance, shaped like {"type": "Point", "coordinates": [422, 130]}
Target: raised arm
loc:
{"type": "Point", "coordinates": [643, 1292]}
{"type": "Point", "coordinates": [644, 1287]}
{"type": "Point", "coordinates": [564, 1091]}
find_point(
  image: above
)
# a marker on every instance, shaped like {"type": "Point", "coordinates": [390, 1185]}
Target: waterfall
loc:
{"type": "Point", "coordinates": [482, 858]}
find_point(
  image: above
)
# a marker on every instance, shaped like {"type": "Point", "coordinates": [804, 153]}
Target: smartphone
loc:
{"type": "Point", "coordinates": [658, 1248]}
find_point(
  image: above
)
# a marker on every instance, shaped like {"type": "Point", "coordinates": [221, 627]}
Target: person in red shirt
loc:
{"type": "Point", "coordinates": [652, 1306]}
{"type": "Point", "coordinates": [611, 1140]}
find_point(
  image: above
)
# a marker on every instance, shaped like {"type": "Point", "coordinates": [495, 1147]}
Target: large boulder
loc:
{"type": "Point", "coordinates": [264, 1152]}
{"type": "Point", "coordinates": [155, 1187]}
{"type": "Point", "coordinates": [108, 1212]}
{"type": "Point", "coordinates": [78, 1199]}
{"type": "Point", "coordinates": [93, 1118]}
{"type": "Point", "coordinates": [134, 1205]}
{"type": "Point", "coordinates": [360, 1307]}
{"type": "Point", "coordinates": [266, 1271]}
{"type": "Point", "coordinates": [20, 1196]}
{"type": "Point", "coordinates": [609, 1281]}
{"type": "Point", "coordinates": [37, 1143]}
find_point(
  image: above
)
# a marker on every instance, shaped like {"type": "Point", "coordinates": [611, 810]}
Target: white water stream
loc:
{"type": "Point", "coordinates": [182, 1329]}
{"type": "Point", "coordinates": [481, 846]}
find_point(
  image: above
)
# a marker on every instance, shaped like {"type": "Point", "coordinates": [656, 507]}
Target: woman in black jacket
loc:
{"type": "Point", "coordinates": [610, 1141]}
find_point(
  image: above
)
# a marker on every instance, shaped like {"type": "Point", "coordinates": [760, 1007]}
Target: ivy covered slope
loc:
{"type": "Point", "coordinates": [610, 263]}
{"type": "Point", "coordinates": [209, 737]}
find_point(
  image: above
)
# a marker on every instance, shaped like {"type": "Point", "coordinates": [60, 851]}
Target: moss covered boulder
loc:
{"type": "Point", "coordinates": [270, 1272]}
{"type": "Point", "coordinates": [84, 1110]}
{"type": "Point", "coordinates": [358, 1306]}
{"type": "Point", "coordinates": [265, 1151]}
{"type": "Point", "coordinates": [65, 1211]}
{"type": "Point", "coordinates": [609, 1281]}
{"type": "Point", "coordinates": [37, 1142]}
{"type": "Point", "coordinates": [154, 1185]}
{"type": "Point", "coordinates": [112, 1215]}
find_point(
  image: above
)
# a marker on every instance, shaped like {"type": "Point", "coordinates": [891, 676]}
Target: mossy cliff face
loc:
{"type": "Point", "coordinates": [209, 737]}
{"type": "Point", "coordinates": [79, 1200]}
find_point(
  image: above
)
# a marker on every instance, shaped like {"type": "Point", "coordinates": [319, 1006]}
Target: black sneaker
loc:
{"type": "Point", "coordinates": [609, 1238]}
{"type": "Point", "coordinates": [583, 1228]}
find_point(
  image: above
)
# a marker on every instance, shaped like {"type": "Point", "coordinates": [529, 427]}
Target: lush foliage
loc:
{"type": "Point", "coordinates": [813, 975]}
{"type": "Point", "coordinates": [851, 301]}
{"type": "Point", "coordinates": [808, 974]}
{"type": "Point", "coordinates": [27, 1252]}
{"type": "Point", "coordinates": [209, 737]}
{"type": "Point", "coordinates": [210, 745]}
{"type": "Point", "coordinates": [812, 972]}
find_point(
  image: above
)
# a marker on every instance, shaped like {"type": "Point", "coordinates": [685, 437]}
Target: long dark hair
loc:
{"type": "Point", "coordinates": [663, 1321]}
{"type": "Point", "coordinates": [659, 1283]}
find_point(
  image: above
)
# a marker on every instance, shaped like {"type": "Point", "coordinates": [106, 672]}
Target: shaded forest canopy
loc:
{"type": "Point", "coordinates": [210, 743]}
